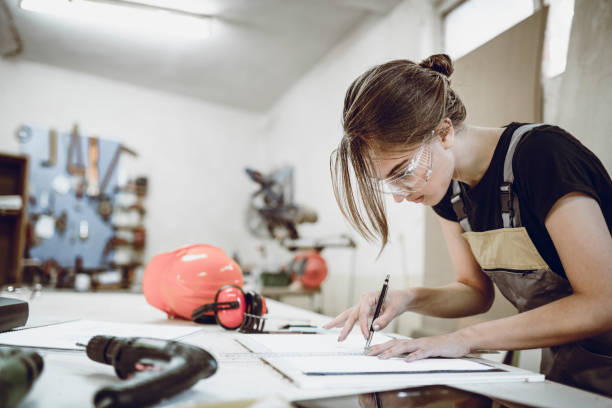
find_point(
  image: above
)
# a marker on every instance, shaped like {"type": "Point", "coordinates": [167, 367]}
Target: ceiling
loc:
{"type": "Point", "coordinates": [256, 51]}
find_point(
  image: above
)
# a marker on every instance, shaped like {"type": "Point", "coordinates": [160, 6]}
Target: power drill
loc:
{"type": "Point", "coordinates": [18, 371]}
{"type": "Point", "coordinates": [156, 369]}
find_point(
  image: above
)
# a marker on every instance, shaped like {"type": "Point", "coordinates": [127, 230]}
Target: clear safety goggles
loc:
{"type": "Point", "coordinates": [412, 177]}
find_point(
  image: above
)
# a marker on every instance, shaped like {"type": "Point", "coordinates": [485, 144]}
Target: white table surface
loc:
{"type": "Point", "coordinates": [70, 379]}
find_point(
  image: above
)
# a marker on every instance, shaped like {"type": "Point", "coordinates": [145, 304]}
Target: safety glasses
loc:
{"type": "Point", "coordinates": [412, 177]}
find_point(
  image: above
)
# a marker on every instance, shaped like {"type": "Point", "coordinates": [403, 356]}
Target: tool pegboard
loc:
{"type": "Point", "coordinates": [72, 182]}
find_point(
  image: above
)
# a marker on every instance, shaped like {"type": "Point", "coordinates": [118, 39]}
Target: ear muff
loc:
{"type": "Point", "coordinates": [230, 306]}
{"type": "Point", "coordinates": [257, 305]}
{"type": "Point", "coordinates": [254, 304]}
{"type": "Point", "coordinates": [231, 318]}
{"type": "Point", "coordinates": [207, 313]}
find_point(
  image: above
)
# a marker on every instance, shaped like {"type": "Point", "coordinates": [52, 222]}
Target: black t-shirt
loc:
{"type": "Point", "coordinates": [548, 164]}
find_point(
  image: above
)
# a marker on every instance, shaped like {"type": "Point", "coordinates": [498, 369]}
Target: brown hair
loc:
{"type": "Point", "coordinates": [389, 108]}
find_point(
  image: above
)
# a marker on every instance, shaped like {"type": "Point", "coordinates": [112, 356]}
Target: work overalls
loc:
{"type": "Point", "coordinates": [509, 257]}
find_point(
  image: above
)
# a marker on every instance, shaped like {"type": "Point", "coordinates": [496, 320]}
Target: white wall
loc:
{"type": "Point", "coordinates": [193, 152]}
{"type": "Point", "coordinates": [585, 99]}
{"type": "Point", "coordinates": [304, 127]}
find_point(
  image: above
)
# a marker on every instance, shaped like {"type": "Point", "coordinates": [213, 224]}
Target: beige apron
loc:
{"type": "Point", "coordinates": [509, 257]}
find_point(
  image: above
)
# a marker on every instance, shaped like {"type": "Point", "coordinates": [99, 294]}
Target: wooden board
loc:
{"type": "Point", "coordinates": [13, 181]}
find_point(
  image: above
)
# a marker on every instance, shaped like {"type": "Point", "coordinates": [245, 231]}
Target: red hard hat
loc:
{"type": "Point", "coordinates": [180, 281]}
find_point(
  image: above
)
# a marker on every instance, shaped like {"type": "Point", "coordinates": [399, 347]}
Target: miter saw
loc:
{"type": "Point", "coordinates": [272, 214]}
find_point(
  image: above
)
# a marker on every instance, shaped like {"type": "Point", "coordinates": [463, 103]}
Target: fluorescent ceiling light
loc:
{"type": "Point", "coordinates": [122, 15]}
{"type": "Point", "coordinates": [201, 7]}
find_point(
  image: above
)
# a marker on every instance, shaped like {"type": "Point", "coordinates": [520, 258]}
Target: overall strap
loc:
{"type": "Point", "coordinates": [459, 206]}
{"type": "Point", "coordinates": [509, 201]}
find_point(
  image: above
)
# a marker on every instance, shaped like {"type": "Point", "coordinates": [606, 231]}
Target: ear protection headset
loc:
{"type": "Point", "coordinates": [231, 307]}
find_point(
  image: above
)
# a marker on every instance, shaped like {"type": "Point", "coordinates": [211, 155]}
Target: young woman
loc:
{"type": "Point", "coordinates": [526, 207]}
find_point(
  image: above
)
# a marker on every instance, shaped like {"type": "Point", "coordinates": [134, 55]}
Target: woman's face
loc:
{"type": "Point", "coordinates": [421, 175]}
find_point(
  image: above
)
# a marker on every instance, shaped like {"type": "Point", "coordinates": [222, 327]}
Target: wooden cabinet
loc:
{"type": "Point", "coordinates": [13, 181]}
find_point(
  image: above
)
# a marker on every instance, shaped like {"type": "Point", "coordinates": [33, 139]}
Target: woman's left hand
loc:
{"type": "Point", "coordinates": [447, 345]}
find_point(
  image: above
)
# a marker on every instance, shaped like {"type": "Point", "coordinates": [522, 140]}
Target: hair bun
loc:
{"type": "Point", "coordinates": [440, 63]}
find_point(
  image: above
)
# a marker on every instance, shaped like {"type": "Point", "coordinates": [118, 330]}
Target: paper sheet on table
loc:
{"type": "Point", "coordinates": [313, 343]}
{"type": "Point", "coordinates": [341, 362]}
{"type": "Point", "coordinates": [350, 365]}
{"type": "Point", "coordinates": [66, 335]}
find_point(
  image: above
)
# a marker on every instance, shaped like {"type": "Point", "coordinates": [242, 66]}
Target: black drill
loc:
{"type": "Point", "coordinates": [157, 369]}
{"type": "Point", "coordinates": [18, 371]}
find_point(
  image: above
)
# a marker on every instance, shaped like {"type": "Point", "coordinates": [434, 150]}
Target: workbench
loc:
{"type": "Point", "coordinates": [70, 379]}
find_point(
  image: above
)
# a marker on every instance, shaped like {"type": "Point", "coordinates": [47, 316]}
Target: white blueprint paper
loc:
{"type": "Point", "coordinates": [374, 365]}
{"type": "Point", "coordinates": [314, 343]}
{"type": "Point", "coordinates": [347, 357]}
{"type": "Point", "coordinates": [66, 335]}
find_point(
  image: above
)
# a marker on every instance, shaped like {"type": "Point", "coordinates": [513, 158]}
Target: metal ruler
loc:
{"type": "Point", "coordinates": [265, 355]}
{"type": "Point", "coordinates": [242, 356]}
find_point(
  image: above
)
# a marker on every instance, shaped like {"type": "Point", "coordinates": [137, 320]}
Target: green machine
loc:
{"type": "Point", "coordinates": [18, 371]}
{"type": "Point", "coordinates": [18, 368]}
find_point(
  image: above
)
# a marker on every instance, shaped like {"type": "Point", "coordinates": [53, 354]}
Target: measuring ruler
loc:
{"type": "Point", "coordinates": [243, 356]}
{"type": "Point", "coordinates": [266, 355]}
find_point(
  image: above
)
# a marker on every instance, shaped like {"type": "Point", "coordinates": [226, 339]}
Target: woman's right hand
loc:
{"type": "Point", "coordinates": [396, 302]}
